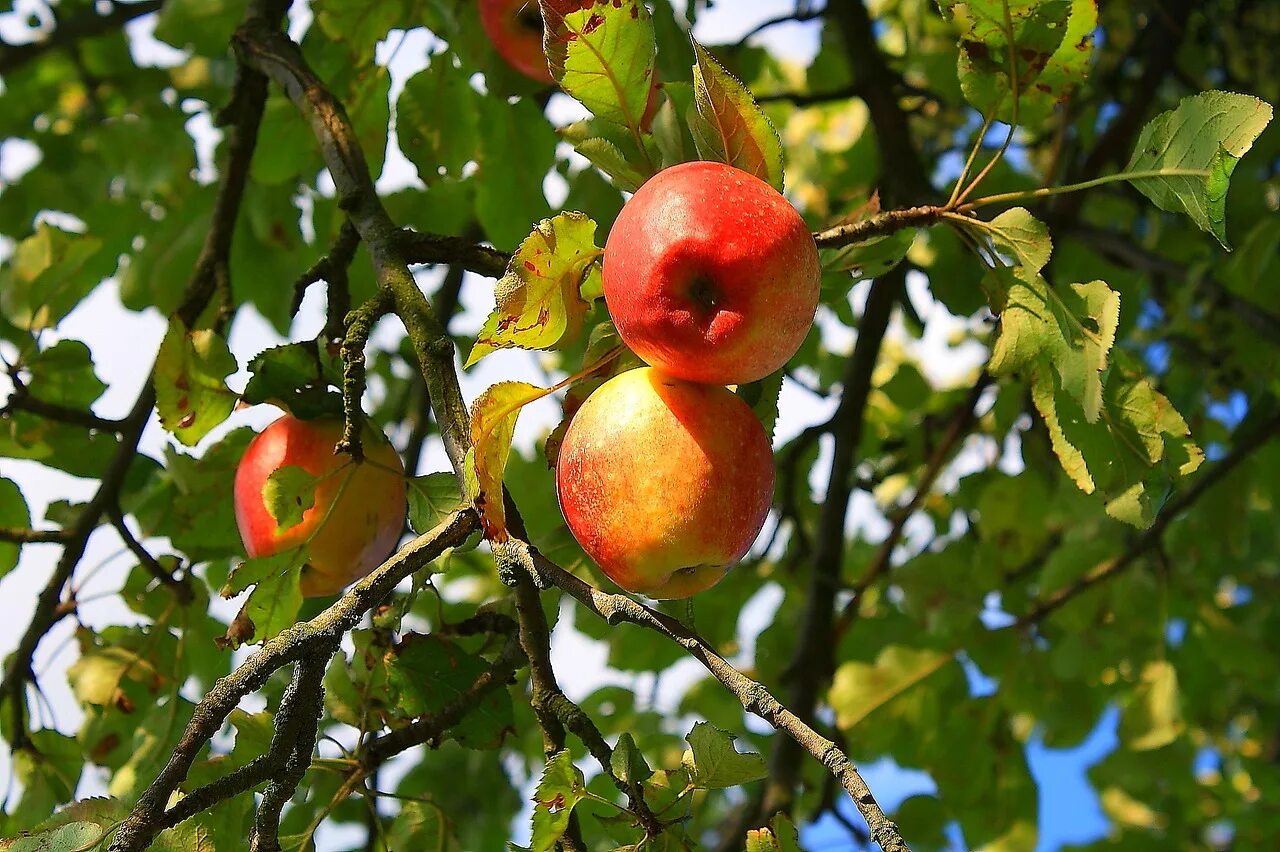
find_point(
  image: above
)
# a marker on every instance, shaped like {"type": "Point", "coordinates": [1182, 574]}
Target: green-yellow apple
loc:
{"type": "Point", "coordinates": [711, 275]}
{"type": "Point", "coordinates": [359, 508]}
{"type": "Point", "coordinates": [664, 483]}
{"type": "Point", "coordinates": [515, 29]}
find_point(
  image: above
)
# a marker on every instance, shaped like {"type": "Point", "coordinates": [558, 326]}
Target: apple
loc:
{"type": "Point", "coordinates": [515, 29]}
{"type": "Point", "coordinates": [359, 509]}
{"type": "Point", "coordinates": [711, 275]}
{"type": "Point", "coordinates": [664, 483]}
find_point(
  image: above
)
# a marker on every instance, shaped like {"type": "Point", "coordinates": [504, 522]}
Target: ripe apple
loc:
{"type": "Point", "coordinates": [359, 508]}
{"type": "Point", "coordinates": [664, 483]}
{"type": "Point", "coordinates": [515, 28]}
{"type": "Point", "coordinates": [711, 275]}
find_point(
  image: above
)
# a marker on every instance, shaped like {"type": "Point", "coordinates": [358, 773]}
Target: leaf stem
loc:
{"type": "Point", "coordinates": [1046, 191]}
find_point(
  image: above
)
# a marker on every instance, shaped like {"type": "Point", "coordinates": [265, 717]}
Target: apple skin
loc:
{"type": "Point", "coordinates": [366, 518]}
{"type": "Point", "coordinates": [664, 483]}
{"type": "Point", "coordinates": [711, 275]}
{"type": "Point", "coordinates": [515, 29]}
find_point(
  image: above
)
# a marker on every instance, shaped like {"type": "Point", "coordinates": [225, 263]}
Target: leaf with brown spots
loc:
{"type": "Point", "coordinates": [192, 395]}
{"type": "Point", "coordinates": [548, 286]}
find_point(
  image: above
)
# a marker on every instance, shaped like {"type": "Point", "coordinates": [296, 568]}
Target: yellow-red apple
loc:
{"type": "Point", "coordinates": [515, 29]}
{"type": "Point", "coordinates": [359, 508]}
{"type": "Point", "coordinates": [711, 275]}
{"type": "Point", "coordinates": [664, 483]}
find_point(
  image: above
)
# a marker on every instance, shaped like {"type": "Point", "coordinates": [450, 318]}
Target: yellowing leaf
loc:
{"type": "Point", "coordinates": [859, 689]}
{"type": "Point", "coordinates": [539, 299]}
{"type": "Point", "coordinates": [1153, 717]}
{"type": "Point", "coordinates": [1197, 145]}
{"type": "Point", "coordinates": [560, 789]}
{"type": "Point", "coordinates": [493, 422]}
{"type": "Point", "coordinates": [192, 395]}
{"type": "Point", "coordinates": [729, 125]}
{"type": "Point", "coordinates": [602, 55]}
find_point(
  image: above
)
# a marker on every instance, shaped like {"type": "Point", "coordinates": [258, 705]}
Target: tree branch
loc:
{"type": "Point", "coordinates": [260, 46]}
{"type": "Point", "coordinates": [22, 400]}
{"type": "Point", "coordinates": [319, 634]}
{"type": "Point", "coordinates": [180, 586]}
{"type": "Point", "coordinates": [879, 225]}
{"type": "Point", "coordinates": [456, 251]}
{"type": "Point", "coordinates": [21, 535]}
{"type": "Point", "coordinates": [615, 609]}
{"type": "Point", "coordinates": [961, 421]}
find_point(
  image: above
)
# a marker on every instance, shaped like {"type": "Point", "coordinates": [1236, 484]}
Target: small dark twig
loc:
{"type": "Point", "coordinates": [879, 225]}
{"type": "Point", "coordinates": [21, 535]}
{"type": "Point", "coordinates": [22, 400]}
{"type": "Point", "coordinates": [457, 251]}
{"type": "Point", "coordinates": [332, 269]}
{"type": "Point", "coordinates": [359, 325]}
{"type": "Point", "coordinates": [179, 585]}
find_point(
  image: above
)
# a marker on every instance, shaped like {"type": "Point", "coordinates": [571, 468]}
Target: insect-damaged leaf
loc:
{"type": "Point", "coordinates": [546, 290]}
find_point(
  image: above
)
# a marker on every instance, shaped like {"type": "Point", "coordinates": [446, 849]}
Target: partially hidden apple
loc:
{"type": "Point", "coordinates": [711, 275]}
{"type": "Point", "coordinates": [664, 483]}
{"type": "Point", "coordinates": [359, 508]}
{"type": "Point", "coordinates": [515, 29]}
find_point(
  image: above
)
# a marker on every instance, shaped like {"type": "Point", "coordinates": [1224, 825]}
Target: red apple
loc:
{"type": "Point", "coordinates": [515, 28]}
{"type": "Point", "coordinates": [664, 483]}
{"type": "Point", "coordinates": [359, 508]}
{"type": "Point", "coordinates": [711, 275]}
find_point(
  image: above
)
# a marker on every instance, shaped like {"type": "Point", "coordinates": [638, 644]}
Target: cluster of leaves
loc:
{"type": "Point", "coordinates": [1164, 340]}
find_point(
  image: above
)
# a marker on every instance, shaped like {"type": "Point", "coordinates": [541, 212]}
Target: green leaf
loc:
{"type": "Point", "coordinates": [275, 600]}
{"type": "Point", "coordinates": [1132, 456]}
{"type": "Point", "coordinates": [296, 377]}
{"type": "Point", "coordinates": [289, 493]}
{"type": "Point", "coordinates": [493, 422]}
{"type": "Point", "coordinates": [423, 827]}
{"type": "Point", "coordinates": [870, 258]}
{"type": "Point", "coordinates": [63, 374]}
{"type": "Point", "coordinates": [1197, 146]}
{"type": "Point", "coordinates": [1032, 35]}
{"type": "Point", "coordinates": [426, 672]}
{"type": "Point", "coordinates": [72, 837]}
{"type": "Point", "coordinates": [48, 274]}
{"type": "Point", "coordinates": [780, 836]}
{"type": "Point", "coordinates": [607, 151]}
{"type": "Point", "coordinates": [539, 299]}
{"type": "Point", "coordinates": [49, 771]}
{"type": "Point", "coordinates": [192, 395]}
{"type": "Point", "coordinates": [714, 762]}
{"type": "Point", "coordinates": [559, 790]}
{"type": "Point", "coordinates": [99, 674]}
{"type": "Point", "coordinates": [1047, 332]}
{"type": "Point", "coordinates": [1023, 236]}
{"type": "Point", "coordinates": [729, 126]}
{"type": "Point", "coordinates": [13, 513]}
{"type": "Point", "coordinates": [762, 396]}
{"type": "Point", "coordinates": [859, 689]}
{"type": "Point", "coordinates": [431, 143]}
{"type": "Point", "coordinates": [516, 151]}
{"type": "Point", "coordinates": [204, 26]}
{"type": "Point", "coordinates": [603, 55]}
{"type": "Point", "coordinates": [627, 763]}
{"type": "Point", "coordinates": [1152, 716]}
{"type": "Point", "coordinates": [432, 498]}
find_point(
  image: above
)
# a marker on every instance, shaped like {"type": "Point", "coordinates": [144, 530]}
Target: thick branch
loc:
{"type": "Point", "coordinates": [262, 47]}
{"type": "Point", "coordinates": [295, 738]}
{"type": "Point", "coordinates": [1150, 537]}
{"type": "Point", "coordinates": [302, 639]}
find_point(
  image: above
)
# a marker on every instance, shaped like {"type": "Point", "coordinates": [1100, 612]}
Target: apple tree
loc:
{"type": "Point", "coordinates": [1026, 479]}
